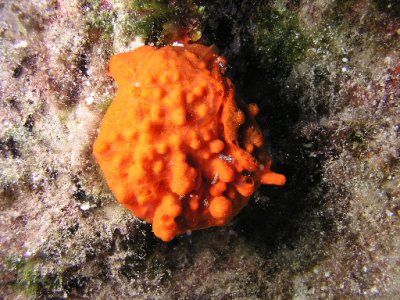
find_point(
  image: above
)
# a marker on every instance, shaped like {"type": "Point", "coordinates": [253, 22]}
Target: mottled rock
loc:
{"type": "Point", "coordinates": [325, 75]}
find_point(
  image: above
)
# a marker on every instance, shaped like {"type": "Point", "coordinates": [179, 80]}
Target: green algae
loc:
{"type": "Point", "coordinates": [277, 38]}
{"type": "Point", "coordinates": [159, 22]}
{"type": "Point", "coordinates": [104, 104]}
{"type": "Point", "coordinates": [28, 277]}
{"type": "Point", "coordinates": [98, 16]}
{"type": "Point", "coordinates": [36, 278]}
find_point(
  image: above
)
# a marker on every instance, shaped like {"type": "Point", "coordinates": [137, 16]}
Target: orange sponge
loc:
{"type": "Point", "coordinates": [176, 147]}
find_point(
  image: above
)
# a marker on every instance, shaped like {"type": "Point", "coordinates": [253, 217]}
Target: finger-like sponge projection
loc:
{"type": "Point", "coordinates": [176, 146]}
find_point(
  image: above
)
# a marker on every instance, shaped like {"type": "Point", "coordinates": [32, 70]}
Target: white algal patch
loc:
{"type": "Point", "coordinates": [387, 60]}
{"type": "Point", "coordinates": [89, 100]}
{"type": "Point", "coordinates": [215, 179]}
{"type": "Point", "coordinates": [136, 43]}
{"type": "Point", "coordinates": [227, 158]}
{"type": "Point", "coordinates": [389, 213]}
{"type": "Point", "coordinates": [85, 206]}
{"type": "Point", "coordinates": [178, 44]}
{"type": "Point", "coordinates": [21, 44]}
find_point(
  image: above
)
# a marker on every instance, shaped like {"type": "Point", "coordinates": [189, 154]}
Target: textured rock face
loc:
{"type": "Point", "coordinates": [325, 77]}
{"type": "Point", "coordinates": [174, 147]}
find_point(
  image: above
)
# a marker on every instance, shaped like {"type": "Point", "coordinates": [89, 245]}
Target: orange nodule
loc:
{"type": "Point", "coordinates": [220, 207]}
{"type": "Point", "coordinates": [169, 144]}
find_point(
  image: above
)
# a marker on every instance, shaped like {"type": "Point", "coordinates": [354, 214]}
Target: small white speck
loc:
{"type": "Point", "coordinates": [365, 269]}
{"type": "Point", "coordinates": [28, 253]}
{"type": "Point", "coordinates": [387, 60]}
{"type": "Point", "coordinates": [85, 206]}
{"type": "Point", "coordinates": [227, 158]}
{"type": "Point", "coordinates": [389, 213]}
{"type": "Point", "coordinates": [327, 274]}
{"type": "Point", "coordinates": [221, 64]}
{"type": "Point", "coordinates": [308, 145]}
{"type": "Point", "coordinates": [36, 177]}
{"type": "Point", "coordinates": [89, 100]}
{"type": "Point", "coordinates": [21, 44]}
{"type": "Point", "coordinates": [136, 84]}
{"type": "Point", "coordinates": [87, 83]}
{"type": "Point", "coordinates": [136, 43]}
{"type": "Point", "coordinates": [345, 59]}
{"type": "Point", "coordinates": [344, 69]}
{"type": "Point", "coordinates": [215, 179]}
{"type": "Point", "coordinates": [374, 290]}
{"type": "Point", "coordinates": [178, 44]}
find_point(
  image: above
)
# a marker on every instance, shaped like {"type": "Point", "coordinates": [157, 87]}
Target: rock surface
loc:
{"type": "Point", "coordinates": [326, 76]}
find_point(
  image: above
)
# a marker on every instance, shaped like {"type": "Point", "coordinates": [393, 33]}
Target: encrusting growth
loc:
{"type": "Point", "coordinates": [176, 146]}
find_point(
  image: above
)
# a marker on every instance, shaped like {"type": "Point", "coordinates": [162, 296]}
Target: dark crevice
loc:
{"type": "Point", "coordinates": [10, 147]}
{"type": "Point", "coordinates": [278, 221]}
{"type": "Point", "coordinates": [29, 123]}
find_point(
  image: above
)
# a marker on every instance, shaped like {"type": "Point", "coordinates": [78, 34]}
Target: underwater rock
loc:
{"type": "Point", "coordinates": [325, 77]}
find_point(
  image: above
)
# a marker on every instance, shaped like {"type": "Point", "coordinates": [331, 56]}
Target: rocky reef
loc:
{"type": "Point", "coordinates": [326, 77]}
